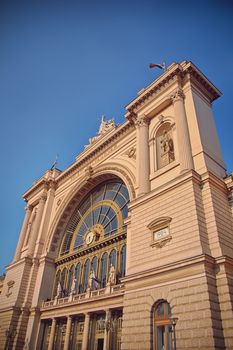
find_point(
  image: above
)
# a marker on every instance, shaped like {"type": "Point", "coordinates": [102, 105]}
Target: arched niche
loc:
{"type": "Point", "coordinates": [165, 151]}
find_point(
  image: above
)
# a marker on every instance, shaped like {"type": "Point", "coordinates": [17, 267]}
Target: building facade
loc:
{"type": "Point", "coordinates": [131, 247]}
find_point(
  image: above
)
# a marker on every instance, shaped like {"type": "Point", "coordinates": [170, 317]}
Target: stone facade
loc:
{"type": "Point", "coordinates": [166, 162]}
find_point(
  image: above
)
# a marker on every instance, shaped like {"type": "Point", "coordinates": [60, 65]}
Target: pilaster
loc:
{"type": "Point", "coordinates": [23, 232]}
{"type": "Point", "coordinates": [184, 145]}
{"type": "Point", "coordinates": [143, 161]}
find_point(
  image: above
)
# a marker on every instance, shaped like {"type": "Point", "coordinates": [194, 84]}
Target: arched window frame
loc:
{"type": "Point", "coordinates": [78, 272]}
{"type": "Point", "coordinates": [122, 264]}
{"type": "Point", "coordinates": [70, 278]}
{"type": "Point", "coordinates": [86, 273]}
{"type": "Point", "coordinates": [63, 281]}
{"type": "Point", "coordinates": [113, 258]}
{"type": "Point", "coordinates": [57, 280]}
{"type": "Point", "coordinates": [104, 269]}
{"type": "Point", "coordinates": [117, 203]}
{"type": "Point", "coordinates": [163, 337]}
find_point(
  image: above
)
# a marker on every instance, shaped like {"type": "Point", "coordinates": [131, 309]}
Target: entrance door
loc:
{"type": "Point", "coordinates": [100, 344]}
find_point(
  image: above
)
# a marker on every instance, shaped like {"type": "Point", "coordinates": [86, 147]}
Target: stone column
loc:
{"type": "Point", "coordinates": [36, 225]}
{"type": "Point", "coordinates": [86, 332]}
{"type": "Point", "coordinates": [52, 334]}
{"type": "Point", "coordinates": [142, 154]}
{"type": "Point", "coordinates": [184, 146]}
{"type": "Point", "coordinates": [107, 329]}
{"type": "Point", "coordinates": [23, 232]}
{"type": "Point", "coordinates": [68, 331]}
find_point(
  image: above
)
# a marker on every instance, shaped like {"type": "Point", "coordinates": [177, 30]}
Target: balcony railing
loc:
{"type": "Point", "coordinates": [74, 298]}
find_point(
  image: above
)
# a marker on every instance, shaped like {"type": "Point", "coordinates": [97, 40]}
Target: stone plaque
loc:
{"type": "Point", "coordinates": [164, 232]}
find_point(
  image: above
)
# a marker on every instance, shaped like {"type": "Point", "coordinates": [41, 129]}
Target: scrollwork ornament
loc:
{"type": "Point", "coordinates": [131, 153]}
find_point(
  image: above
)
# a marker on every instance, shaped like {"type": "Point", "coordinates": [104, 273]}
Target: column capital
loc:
{"type": "Point", "coordinates": [141, 121]}
{"type": "Point", "coordinates": [177, 95]}
{"type": "Point", "coordinates": [43, 197]}
{"type": "Point", "coordinates": [28, 207]}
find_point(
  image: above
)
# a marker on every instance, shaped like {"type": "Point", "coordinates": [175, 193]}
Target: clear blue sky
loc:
{"type": "Point", "coordinates": [64, 63]}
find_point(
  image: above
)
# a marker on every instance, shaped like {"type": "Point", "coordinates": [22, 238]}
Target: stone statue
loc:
{"type": "Point", "coordinates": [90, 279]}
{"type": "Point", "coordinates": [105, 126]}
{"type": "Point", "coordinates": [167, 145]}
{"type": "Point", "coordinates": [73, 285]}
{"type": "Point", "coordinates": [112, 275]}
{"type": "Point", "coordinates": [59, 290]}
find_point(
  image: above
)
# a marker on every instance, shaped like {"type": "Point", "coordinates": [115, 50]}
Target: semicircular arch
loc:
{"type": "Point", "coordinates": [75, 195]}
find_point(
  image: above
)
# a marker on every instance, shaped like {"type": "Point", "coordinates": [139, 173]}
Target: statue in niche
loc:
{"type": "Point", "coordinates": [90, 279]}
{"type": "Point", "coordinates": [112, 275]}
{"type": "Point", "coordinates": [73, 285]}
{"type": "Point", "coordinates": [165, 145]}
{"type": "Point", "coordinates": [59, 290]}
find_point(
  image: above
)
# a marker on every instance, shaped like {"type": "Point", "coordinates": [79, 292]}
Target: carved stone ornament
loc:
{"type": "Point", "coordinates": [89, 171]}
{"type": "Point", "coordinates": [131, 153]}
{"type": "Point", "coordinates": [142, 121]}
{"type": "Point", "coordinates": [10, 285]}
{"type": "Point", "coordinates": [59, 202]}
{"type": "Point", "coordinates": [160, 232]}
{"type": "Point", "coordinates": [177, 95]}
{"type": "Point", "coordinates": [104, 128]}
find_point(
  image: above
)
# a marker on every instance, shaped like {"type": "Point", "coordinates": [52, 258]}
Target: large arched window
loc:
{"type": "Point", "coordinates": [94, 239]}
{"type": "Point", "coordinates": [100, 215]}
{"type": "Point", "coordinates": [163, 330]}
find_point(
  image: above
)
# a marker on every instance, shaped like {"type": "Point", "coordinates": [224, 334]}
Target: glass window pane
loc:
{"type": "Point", "coordinates": [103, 275]}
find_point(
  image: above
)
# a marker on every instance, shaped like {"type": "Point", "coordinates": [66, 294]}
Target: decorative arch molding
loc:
{"type": "Point", "coordinates": [163, 143]}
{"type": "Point", "coordinates": [92, 178]}
{"type": "Point", "coordinates": [120, 171]}
{"type": "Point", "coordinates": [161, 119]}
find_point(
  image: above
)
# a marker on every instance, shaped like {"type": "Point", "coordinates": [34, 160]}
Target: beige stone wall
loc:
{"type": "Point", "coordinates": [179, 203]}
{"type": "Point", "coordinates": [195, 303]}
{"type": "Point", "coordinates": [218, 218]}
{"type": "Point", "coordinates": [225, 295]}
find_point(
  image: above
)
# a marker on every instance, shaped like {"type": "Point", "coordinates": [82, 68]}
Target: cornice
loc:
{"type": "Point", "coordinates": [191, 175]}
{"type": "Point", "coordinates": [90, 152]}
{"type": "Point", "coordinates": [183, 71]}
{"type": "Point", "coordinates": [203, 259]}
{"type": "Point", "coordinates": [46, 182]}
